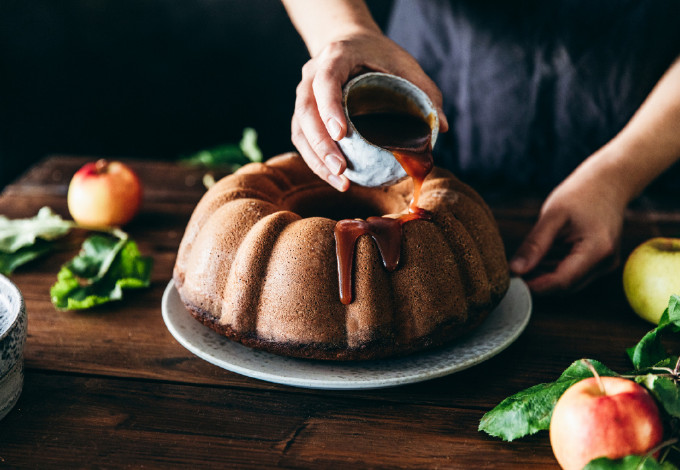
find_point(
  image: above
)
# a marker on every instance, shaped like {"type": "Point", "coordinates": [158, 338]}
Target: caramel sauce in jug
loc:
{"type": "Point", "coordinates": [408, 137]}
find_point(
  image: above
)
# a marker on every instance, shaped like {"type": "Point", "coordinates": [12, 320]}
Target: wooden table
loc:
{"type": "Point", "coordinates": [112, 387]}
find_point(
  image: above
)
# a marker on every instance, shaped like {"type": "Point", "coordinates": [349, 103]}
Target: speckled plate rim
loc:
{"type": "Point", "coordinates": [503, 326]}
{"type": "Point", "coordinates": [8, 288]}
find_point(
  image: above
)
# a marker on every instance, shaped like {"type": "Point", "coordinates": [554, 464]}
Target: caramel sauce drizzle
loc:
{"type": "Point", "coordinates": [408, 138]}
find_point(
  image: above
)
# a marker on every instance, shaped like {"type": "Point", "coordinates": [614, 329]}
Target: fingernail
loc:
{"type": "Point", "coordinates": [337, 182]}
{"type": "Point", "coordinates": [518, 265]}
{"type": "Point", "coordinates": [333, 163]}
{"type": "Point", "coordinates": [334, 128]}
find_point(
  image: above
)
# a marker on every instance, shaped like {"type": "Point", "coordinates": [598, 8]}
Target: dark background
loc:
{"type": "Point", "coordinates": [145, 78]}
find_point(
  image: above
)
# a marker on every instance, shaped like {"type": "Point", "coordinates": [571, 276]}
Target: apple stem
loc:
{"type": "Point", "coordinates": [665, 444]}
{"type": "Point", "coordinates": [670, 371]}
{"type": "Point", "coordinates": [596, 375]}
{"type": "Point", "coordinates": [117, 232]}
{"type": "Point", "coordinates": [101, 166]}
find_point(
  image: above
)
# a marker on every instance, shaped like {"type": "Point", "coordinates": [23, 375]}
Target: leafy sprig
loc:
{"type": "Point", "coordinates": [107, 264]}
{"type": "Point", "coordinates": [631, 462]}
{"type": "Point", "coordinates": [650, 350]}
{"type": "Point", "coordinates": [232, 156]}
{"type": "Point", "coordinates": [101, 271]}
{"type": "Point", "coordinates": [23, 240]}
{"type": "Point", "coordinates": [530, 410]}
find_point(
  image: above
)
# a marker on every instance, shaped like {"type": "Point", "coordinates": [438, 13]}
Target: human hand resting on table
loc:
{"type": "Point", "coordinates": [584, 214]}
{"type": "Point", "coordinates": [348, 44]}
{"type": "Point", "coordinates": [576, 238]}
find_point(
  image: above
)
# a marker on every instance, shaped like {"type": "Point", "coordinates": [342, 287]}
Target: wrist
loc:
{"type": "Point", "coordinates": [343, 33]}
{"type": "Point", "coordinates": [613, 172]}
{"type": "Point", "coordinates": [634, 160]}
{"type": "Point", "coordinates": [321, 23]}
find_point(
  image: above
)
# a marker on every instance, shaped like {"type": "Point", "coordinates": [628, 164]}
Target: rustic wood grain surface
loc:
{"type": "Point", "coordinates": [111, 388]}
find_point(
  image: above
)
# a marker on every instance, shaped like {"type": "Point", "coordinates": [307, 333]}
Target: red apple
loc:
{"type": "Point", "coordinates": [104, 194]}
{"type": "Point", "coordinates": [603, 417]}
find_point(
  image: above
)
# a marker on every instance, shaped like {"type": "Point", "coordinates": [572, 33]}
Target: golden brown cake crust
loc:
{"type": "Point", "coordinates": [378, 348]}
{"type": "Point", "coordinates": [257, 264]}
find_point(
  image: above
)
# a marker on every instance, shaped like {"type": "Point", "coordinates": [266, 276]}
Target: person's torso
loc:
{"type": "Point", "coordinates": [531, 88]}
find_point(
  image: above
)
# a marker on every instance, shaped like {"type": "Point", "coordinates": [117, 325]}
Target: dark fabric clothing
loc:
{"type": "Point", "coordinates": [531, 88]}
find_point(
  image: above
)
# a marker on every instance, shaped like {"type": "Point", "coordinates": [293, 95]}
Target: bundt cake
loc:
{"type": "Point", "coordinates": [257, 263]}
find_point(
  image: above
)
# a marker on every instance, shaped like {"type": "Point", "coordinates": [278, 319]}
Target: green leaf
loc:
{"type": "Point", "coordinates": [127, 269]}
{"type": "Point", "coordinates": [249, 146]}
{"type": "Point", "coordinates": [673, 311]}
{"type": "Point", "coordinates": [524, 413]}
{"type": "Point", "coordinates": [631, 462]}
{"type": "Point", "coordinates": [650, 349]}
{"type": "Point", "coordinates": [666, 364]}
{"type": "Point", "coordinates": [23, 240]}
{"type": "Point", "coordinates": [95, 257]}
{"type": "Point", "coordinates": [579, 370]}
{"type": "Point", "coordinates": [10, 261]}
{"type": "Point", "coordinates": [665, 390]}
{"type": "Point", "coordinates": [18, 233]}
{"type": "Point", "coordinates": [530, 410]}
{"type": "Point", "coordinates": [230, 155]}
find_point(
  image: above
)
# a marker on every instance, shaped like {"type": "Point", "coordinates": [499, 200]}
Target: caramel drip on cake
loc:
{"type": "Point", "coordinates": [408, 138]}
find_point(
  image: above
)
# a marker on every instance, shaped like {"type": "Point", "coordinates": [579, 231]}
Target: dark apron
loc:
{"type": "Point", "coordinates": [531, 88]}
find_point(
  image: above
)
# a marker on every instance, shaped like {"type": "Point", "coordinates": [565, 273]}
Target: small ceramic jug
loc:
{"type": "Point", "coordinates": [13, 323]}
{"type": "Point", "coordinates": [368, 164]}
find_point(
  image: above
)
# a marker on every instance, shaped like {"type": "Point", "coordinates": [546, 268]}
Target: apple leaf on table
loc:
{"type": "Point", "coordinates": [530, 410]}
{"type": "Point", "coordinates": [631, 462]}
{"type": "Point", "coordinates": [650, 350]}
{"type": "Point", "coordinates": [18, 233]}
{"type": "Point", "coordinates": [231, 155]}
{"type": "Point", "coordinates": [105, 266]}
{"type": "Point", "coordinates": [100, 272]}
{"type": "Point", "coordinates": [657, 371]}
{"type": "Point", "coordinates": [95, 257]}
{"type": "Point", "coordinates": [10, 261]}
{"type": "Point", "coordinates": [23, 240]}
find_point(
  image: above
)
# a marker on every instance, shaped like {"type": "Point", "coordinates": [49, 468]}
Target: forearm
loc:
{"type": "Point", "coordinates": [343, 40]}
{"type": "Point", "coordinates": [320, 22]}
{"type": "Point", "coordinates": [647, 146]}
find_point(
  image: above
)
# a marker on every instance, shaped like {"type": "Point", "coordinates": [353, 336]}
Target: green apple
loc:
{"type": "Point", "coordinates": [651, 275]}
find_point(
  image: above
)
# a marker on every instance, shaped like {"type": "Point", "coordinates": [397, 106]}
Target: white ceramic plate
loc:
{"type": "Point", "coordinates": [501, 328]}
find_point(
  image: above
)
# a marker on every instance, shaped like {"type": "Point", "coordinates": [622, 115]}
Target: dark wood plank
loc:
{"type": "Point", "coordinates": [129, 339]}
{"type": "Point", "coordinates": [70, 421]}
{"type": "Point", "coordinates": [408, 436]}
{"type": "Point", "coordinates": [144, 348]}
{"type": "Point", "coordinates": [164, 181]}
{"type": "Point", "coordinates": [64, 421]}
{"type": "Point", "coordinates": [111, 387]}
